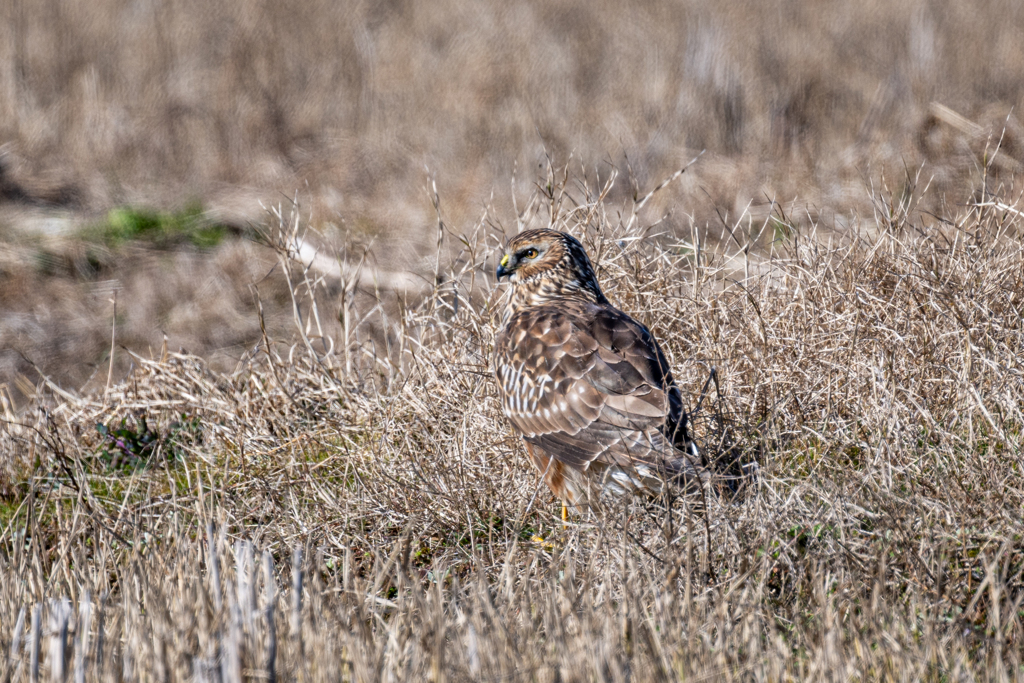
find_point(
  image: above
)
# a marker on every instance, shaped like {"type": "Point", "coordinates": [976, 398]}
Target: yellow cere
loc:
{"type": "Point", "coordinates": [504, 260]}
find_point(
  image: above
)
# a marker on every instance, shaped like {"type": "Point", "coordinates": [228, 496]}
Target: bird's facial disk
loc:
{"type": "Point", "coordinates": [520, 257]}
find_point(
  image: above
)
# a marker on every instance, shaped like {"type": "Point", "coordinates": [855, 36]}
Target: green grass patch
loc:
{"type": "Point", "coordinates": [9, 508]}
{"type": "Point", "coordinates": [190, 225]}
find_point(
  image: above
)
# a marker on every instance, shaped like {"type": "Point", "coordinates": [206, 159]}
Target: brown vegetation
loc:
{"type": "Point", "coordinates": [874, 374]}
{"type": "Point", "coordinates": [353, 106]}
{"type": "Point", "coordinates": [867, 333]}
{"type": "Point", "coordinates": [108, 102]}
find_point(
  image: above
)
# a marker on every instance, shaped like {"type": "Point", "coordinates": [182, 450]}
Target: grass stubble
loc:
{"type": "Point", "coordinates": [356, 508]}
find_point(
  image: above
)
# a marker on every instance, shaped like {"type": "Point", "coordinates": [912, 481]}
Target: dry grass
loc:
{"type": "Point", "coordinates": [874, 373]}
{"type": "Point", "coordinates": [105, 102]}
{"type": "Point", "coordinates": [58, 308]}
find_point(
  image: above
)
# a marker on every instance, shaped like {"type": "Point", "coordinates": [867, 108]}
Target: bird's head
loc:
{"type": "Point", "coordinates": [547, 264]}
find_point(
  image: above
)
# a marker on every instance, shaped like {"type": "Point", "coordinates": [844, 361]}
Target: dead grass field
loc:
{"type": "Point", "coordinates": [875, 376]}
{"type": "Point", "coordinates": [354, 107]}
{"type": "Point", "coordinates": [111, 102]}
{"type": "Point", "coordinates": [293, 465]}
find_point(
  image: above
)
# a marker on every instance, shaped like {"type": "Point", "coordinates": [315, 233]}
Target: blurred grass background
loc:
{"type": "Point", "coordinates": [115, 107]}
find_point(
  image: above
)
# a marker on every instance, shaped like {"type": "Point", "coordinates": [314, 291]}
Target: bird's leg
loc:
{"type": "Point", "coordinates": [565, 513]}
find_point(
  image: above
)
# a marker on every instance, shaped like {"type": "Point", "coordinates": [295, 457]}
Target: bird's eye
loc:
{"type": "Point", "coordinates": [529, 253]}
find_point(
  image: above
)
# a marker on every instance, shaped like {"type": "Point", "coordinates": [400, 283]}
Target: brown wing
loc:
{"type": "Point", "coordinates": [585, 382]}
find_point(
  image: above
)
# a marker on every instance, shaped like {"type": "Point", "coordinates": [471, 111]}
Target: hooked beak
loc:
{"type": "Point", "coordinates": [502, 271]}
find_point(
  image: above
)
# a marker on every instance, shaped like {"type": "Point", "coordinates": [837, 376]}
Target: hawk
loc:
{"type": "Point", "coordinates": [586, 386]}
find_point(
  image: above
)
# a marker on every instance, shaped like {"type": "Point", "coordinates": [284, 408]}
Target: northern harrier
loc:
{"type": "Point", "coordinates": [586, 386]}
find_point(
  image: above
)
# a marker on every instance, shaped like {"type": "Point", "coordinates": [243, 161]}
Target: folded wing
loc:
{"type": "Point", "coordinates": [586, 383]}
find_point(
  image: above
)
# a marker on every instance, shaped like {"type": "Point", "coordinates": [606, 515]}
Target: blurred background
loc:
{"type": "Point", "coordinates": [141, 140]}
